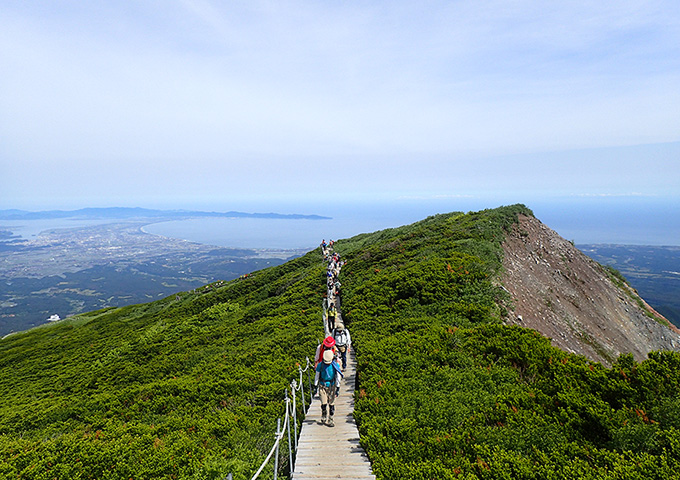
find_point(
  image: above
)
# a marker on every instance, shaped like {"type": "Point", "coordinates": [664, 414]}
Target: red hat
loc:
{"type": "Point", "coordinates": [329, 342]}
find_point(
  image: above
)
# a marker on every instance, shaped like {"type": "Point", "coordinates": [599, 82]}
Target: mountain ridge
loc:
{"type": "Point", "coordinates": [564, 294]}
{"type": "Point", "coordinates": [190, 386]}
{"type": "Point", "coordinates": [136, 212]}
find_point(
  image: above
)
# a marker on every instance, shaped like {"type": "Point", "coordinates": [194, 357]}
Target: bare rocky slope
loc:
{"type": "Point", "coordinates": [565, 295]}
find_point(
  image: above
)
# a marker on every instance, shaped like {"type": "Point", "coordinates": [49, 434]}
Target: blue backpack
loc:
{"type": "Point", "coordinates": [326, 374]}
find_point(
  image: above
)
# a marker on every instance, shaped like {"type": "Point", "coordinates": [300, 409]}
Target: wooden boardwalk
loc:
{"type": "Point", "coordinates": [326, 453]}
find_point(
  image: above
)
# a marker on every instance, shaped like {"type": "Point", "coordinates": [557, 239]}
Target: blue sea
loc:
{"type": "Point", "coordinates": [584, 220]}
{"type": "Point", "coordinates": [632, 221]}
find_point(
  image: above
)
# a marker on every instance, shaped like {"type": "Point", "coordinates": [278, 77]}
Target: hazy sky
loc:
{"type": "Point", "coordinates": [190, 101]}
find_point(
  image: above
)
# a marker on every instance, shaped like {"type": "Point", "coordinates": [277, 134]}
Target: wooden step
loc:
{"type": "Point", "coordinates": [326, 453]}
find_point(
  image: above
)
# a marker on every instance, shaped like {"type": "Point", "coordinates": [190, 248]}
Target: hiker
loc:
{"type": "Point", "coordinates": [328, 344]}
{"type": "Point", "coordinates": [343, 341]}
{"type": "Point", "coordinates": [327, 380]}
{"type": "Point", "coordinates": [330, 315]}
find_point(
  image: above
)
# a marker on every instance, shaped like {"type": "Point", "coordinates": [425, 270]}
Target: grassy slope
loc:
{"type": "Point", "coordinates": [170, 389]}
{"type": "Point", "coordinates": [191, 388]}
{"type": "Point", "coordinates": [447, 391]}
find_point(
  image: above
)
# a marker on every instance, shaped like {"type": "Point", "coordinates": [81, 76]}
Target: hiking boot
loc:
{"type": "Point", "coordinates": [331, 423]}
{"type": "Point", "coordinates": [323, 418]}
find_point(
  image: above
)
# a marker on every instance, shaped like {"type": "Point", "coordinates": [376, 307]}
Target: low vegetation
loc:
{"type": "Point", "coordinates": [447, 391]}
{"type": "Point", "coordinates": [187, 388]}
{"type": "Point", "coordinates": [191, 388]}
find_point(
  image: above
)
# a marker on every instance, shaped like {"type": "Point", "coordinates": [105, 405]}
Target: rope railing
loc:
{"type": "Point", "coordinates": [291, 410]}
{"type": "Point", "coordinates": [290, 417]}
{"type": "Point", "coordinates": [279, 435]}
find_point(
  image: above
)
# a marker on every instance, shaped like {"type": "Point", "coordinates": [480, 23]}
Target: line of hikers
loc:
{"type": "Point", "coordinates": [335, 346]}
{"type": "Point", "coordinates": [332, 281]}
{"type": "Point", "coordinates": [332, 284]}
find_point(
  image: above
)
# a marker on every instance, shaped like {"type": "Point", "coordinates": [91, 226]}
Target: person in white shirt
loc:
{"type": "Point", "coordinates": [343, 341]}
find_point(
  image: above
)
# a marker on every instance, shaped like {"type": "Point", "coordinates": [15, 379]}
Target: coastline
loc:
{"type": "Point", "coordinates": [280, 253]}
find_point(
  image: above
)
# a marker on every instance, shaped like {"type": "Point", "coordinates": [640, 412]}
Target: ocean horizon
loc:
{"type": "Point", "coordinates": [627, 221]}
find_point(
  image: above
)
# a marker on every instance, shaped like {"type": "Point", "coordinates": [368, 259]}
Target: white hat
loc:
{"type": "Point", "coordinates": [328, 356]}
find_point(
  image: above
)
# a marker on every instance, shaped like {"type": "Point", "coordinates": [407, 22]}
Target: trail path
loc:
{"type": "Point", "coordinates": [333, 452]}
{"type": "Point", "coordinates": [325, 452]}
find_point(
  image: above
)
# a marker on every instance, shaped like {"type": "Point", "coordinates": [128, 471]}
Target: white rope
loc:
{"type": "Point", "coordinates": [300, 383]}
{"type": "Point", "coordinates": [306, 366]}
{"type": "Point", "coordinates": [279, 436]}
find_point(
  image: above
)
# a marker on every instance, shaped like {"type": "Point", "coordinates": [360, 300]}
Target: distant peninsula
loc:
{"type": "Point", "coordinates": [129, 212]}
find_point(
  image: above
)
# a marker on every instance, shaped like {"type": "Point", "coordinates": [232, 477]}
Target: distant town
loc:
{"type": "Point", "coordinates": [63, 272]}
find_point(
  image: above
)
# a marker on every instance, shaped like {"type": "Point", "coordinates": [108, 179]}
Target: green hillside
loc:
{"type": "Point", "coordinates": [446, 391]}
{"type": "Point", "coordinates": [170, 389]}
{"type": "Point", "coordinates": [191, 388]}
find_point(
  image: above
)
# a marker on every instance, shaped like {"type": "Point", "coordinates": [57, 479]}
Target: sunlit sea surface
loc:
{"type": "Point", "coordinates": [583, 221]}
{"type": "Point", "coordinates": [633, 221]}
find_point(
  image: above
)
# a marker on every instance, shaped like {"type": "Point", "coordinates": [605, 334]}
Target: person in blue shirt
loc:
{"type": "Point", "coordinates": [327, 380]}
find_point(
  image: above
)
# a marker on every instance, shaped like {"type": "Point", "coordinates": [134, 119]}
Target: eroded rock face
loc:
{"type": "Point", "coordinates": [565, 295]}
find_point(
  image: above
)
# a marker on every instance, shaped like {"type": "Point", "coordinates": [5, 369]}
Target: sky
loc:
{"type": "Point", "coordinates": [190, 103]}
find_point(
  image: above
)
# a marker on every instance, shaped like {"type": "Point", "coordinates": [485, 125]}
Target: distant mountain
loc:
{"type": "Point", "coordinates": [128, 212]}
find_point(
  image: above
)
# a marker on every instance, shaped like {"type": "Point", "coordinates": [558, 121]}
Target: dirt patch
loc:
{"type": "Point", "coordinates": [565, 295]}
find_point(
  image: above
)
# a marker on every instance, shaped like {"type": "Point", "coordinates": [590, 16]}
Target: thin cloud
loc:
{"type": "Point", "coordinates": [398, 90]}
{"type": "Point", "coordinates": [615, 195]}
{"type": "Point", "coordinates": [434, 197]}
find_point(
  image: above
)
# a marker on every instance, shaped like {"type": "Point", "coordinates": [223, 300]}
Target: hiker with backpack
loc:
{"type": "Point", "coordinates": [328, 344]}
{"type": "Point", "coordinates": [331, 313]}
{"type": "Point", "coordinates": [327, 381]}
{"type": "Point", "coordinates": [343, 341]}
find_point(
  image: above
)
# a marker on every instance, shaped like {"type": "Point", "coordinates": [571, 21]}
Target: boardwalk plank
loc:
{"type": "Point", "coordinates": [332, 453]}
{"type": "Point", "coordinates": [326, 453]}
